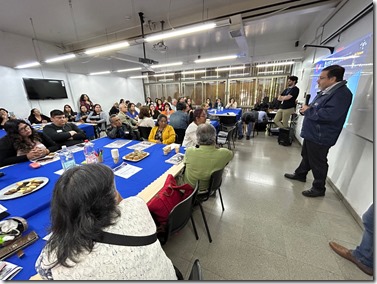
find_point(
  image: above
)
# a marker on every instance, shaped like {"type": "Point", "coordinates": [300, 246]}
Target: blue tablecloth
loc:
{"type": "Point", "coordinates": [35, 207]}
{"type": "Point", "coordinates": [236, 111]}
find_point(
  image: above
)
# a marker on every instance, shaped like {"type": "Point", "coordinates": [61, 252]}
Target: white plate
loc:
{"type": "Point", "coordinates": [125, 158]}
{"type": "Point", "coordinates": [19, 194]}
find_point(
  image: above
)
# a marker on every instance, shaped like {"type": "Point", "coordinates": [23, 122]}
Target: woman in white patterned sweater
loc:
{"type": "Point", "coordinates": [81, 214]}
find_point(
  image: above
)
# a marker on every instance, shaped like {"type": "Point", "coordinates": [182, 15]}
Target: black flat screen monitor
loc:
{"type": "Point", "coordinates": [45, 89]}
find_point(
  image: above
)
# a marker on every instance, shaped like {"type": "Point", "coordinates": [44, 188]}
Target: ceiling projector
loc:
{"type": "Point", "coordinates": [160, 46]}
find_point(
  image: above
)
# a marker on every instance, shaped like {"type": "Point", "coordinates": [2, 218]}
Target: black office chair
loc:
{"type": "Point", "coordinates": [144, 132]}
{"type": "Point", "coordinates": [196, 271]}
{"type": "Point", "coordinates": [179, 135]}
{"type": "Point", "coordinates": [214, 185]}
{"type": "Point", "coordinates": [227, 130]}
{"type": "Point", "coordinates": [179, 217]}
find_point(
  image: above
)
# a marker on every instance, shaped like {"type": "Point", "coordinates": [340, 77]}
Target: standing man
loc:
{"type": "Point", "coordinates": [288, 103]}
{"type": "Point", "coordinates": [323, 122]}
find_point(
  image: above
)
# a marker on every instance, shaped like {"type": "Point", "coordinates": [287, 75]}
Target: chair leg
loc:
{"type": "Point", "coordinates": [195, 231]}
{"type": "Point", "coordinates": [205, 222]}
{"type": "Point", "coordinates": [221, 199]}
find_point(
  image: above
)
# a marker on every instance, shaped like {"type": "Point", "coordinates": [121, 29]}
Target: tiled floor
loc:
{"type": "Point", "coordinates": [269, 230]}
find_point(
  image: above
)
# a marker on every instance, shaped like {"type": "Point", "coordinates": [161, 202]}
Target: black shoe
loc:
{"type": "Point", "coordinates": [247, 137]}
{"type": "Point", "coordinates": [313, 193]}
{"type": "Point", "coordinates": [295, 177]}
{"type": "Point", "coordinates": [240, 137]}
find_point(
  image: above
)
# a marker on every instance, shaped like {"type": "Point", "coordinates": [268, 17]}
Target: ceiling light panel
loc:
{"type": "Point", "coordinates": [180, 32]}
{"type": "Point", "coordinates": [163, 75]}
{"type": "Point", "coordinates": [166, 65]}
{"type": "Point", "coordinates": [61, 58]}
{"type": "Point", "coordinates": [129, 70]}
{"type": "Point", "coordinates": [227, 57]}
{"type": "Point", "coordinates": [27, 65]}
{"type": "Point", "coordinates": [230, 68]}
{"type": "Point", "coordinates": [275, 64]}
{"type": "Point", "coordinates": [100, 73]}
{"type": "Point", "coordinates": [107, 47]}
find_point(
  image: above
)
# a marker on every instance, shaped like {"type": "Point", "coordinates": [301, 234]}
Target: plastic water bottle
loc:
{"type": "Point", "coordinates": [66, 158]}
{"type": "Point", "coordinates": [89, 152]}
{"type": "Point", "coordinates": [218, 107]}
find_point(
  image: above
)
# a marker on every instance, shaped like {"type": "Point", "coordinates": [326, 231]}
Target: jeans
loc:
{"type": "Point", "coordinates": [314, 157]}
{"type": "Point", "coordinates": [364, 251]}
{"type": "Point", "coordinates": [249, 128]}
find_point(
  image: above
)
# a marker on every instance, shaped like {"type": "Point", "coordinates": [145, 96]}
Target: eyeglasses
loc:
{"type": "Point", "coordinates": [26, 127]}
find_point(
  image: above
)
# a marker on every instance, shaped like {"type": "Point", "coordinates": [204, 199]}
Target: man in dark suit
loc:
{"type": "Point", "coordinates": [323, 122]}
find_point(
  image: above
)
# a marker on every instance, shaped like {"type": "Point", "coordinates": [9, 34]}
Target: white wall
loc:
{"type": "Point", "coordinates": [351, 159]}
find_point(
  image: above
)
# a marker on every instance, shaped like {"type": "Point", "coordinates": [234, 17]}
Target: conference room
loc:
{"type": "Point", "coordinates": [241, 50]}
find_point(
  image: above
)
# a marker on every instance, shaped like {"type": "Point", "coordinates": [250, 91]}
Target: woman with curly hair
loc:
{"type": "Point", "coordinates": [23, 143]}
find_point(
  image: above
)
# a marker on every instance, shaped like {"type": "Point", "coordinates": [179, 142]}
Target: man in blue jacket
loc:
{"type": "Point", "coordinates": [323, 122]}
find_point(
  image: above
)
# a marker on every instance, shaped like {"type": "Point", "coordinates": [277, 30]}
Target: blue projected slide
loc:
{"type": "Point", "coordinates": [357, 59]}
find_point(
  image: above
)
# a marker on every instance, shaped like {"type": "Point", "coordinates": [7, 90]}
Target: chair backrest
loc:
{"type": "Point", "coordinates": [181, 214]}
{"type": "Point", "coordinates": [180, 134]}
{"type": "Point", "coordinates": [196, 271]}
{"type": "Point", "coordinates": [144, 131]}
{"type": "Point", "coordinates": [215, 181]}
{"type": "Point", "coordinates": [228, 119]}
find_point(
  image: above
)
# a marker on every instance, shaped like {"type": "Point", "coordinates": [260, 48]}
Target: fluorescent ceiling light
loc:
{"type": "Point", "coordinates": [165, 80]}
{"type": "Point", "coordinates": [275, 64]}
{"type": "Point", "coordinates": [60, 58]}
{"type": "Point", "coordinates": [128, 70]}
{"type": "Point", "coordinates": [207, 77]}
{"type": "Point", "coordinates": [188, 78]}
{"type": "Point", "coordinates": [138, 77]}
{"type": "Point", "coordinates": [240, 74]}
{"type": "Point", "coordinates": [100, 73]}
{"type": "Point", "coordinates": [162, 75]}
{"type": "Point", "coordinates": [216, 58]}
{"type": "Point", "coordinates": [107, 47]}
{"type": "Point", "coordinates": [193, 72]}
{"type": "Point", "coordinates": [179, 32]}
{"type": "Point", "coordinates": [166, 65]}
{"type": "Point", "coordinates": [31, 64]}
{"type": "Point", "coordinates": [230, 68]}
{"type": "Point", "coordinates": [270, 72]}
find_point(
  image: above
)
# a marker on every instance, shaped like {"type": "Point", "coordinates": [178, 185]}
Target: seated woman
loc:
{"type": "Point", "coordinates": [4, 117]}
{"type": "Point", "coordinates": [145, 118]}
{"type": "Point", "coordinates": [99, 117]}
{"type": "Point", "coordinates": [168, 111]}
{"type": "Point", "coordinates": [82, 115]}
{"type": "Point", "coordinates": [209, 102]}
{"type": "Point", "coordinates": [162, 132]}
{"type": "Point", "coordinates": [23, 143]}
{"type": "Point", "coordinates": [132, 112]}
{"type": "Point", "coordinates": [200, 117]}
{"type": "Point", "coordinates": [36, 117]}
{"type": "Point", "coordinates": [232, 104]}
{"type": "Point", "coordinates": [69, 113]}
{"type": "Point", "coordinates": [85, 101]}
{"type": "Point", "coordinates": [81, 222]}
{"type": "Point", "coordinates": [153, 111]}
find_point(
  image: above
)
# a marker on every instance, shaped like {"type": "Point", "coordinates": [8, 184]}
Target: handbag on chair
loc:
{"type": "Point", "coordinates": [164, 201]}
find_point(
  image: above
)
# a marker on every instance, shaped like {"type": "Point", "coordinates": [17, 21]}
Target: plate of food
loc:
{"type": "Point", "coordinates": [46, 158]}
{"type": "Point", "coordinates": [136, 156]}
{"type": "Point", "coordinates": [22, 188]}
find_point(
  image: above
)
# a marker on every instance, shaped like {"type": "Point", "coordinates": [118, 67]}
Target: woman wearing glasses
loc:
{"type": "Point", "coordinates": [23, 143]}
{"type": "Point", "coordinates": [200, 117]}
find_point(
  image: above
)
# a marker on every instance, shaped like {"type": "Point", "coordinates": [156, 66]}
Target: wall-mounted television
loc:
{"type": "Point", "coordinates": [45, 89]}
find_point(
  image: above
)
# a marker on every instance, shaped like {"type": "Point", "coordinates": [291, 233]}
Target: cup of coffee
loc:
{"type": "Point", "coordinates": [115, 155]}
{"type": "Point", "coordinates": [166, 150]}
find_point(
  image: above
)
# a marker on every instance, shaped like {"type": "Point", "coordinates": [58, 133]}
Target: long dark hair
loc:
{"type": "Point", "coordinates": [94, 109]}
{"type": "Point", "coordinates": [70, 113]}
{"type": "Point", "coordinates": [11, 127]}
{"type": "Point", "coordinates": [83, 204]}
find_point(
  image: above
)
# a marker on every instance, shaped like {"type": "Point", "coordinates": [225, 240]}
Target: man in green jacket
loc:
{"type": "Point", "coordinates": [202, 161]}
